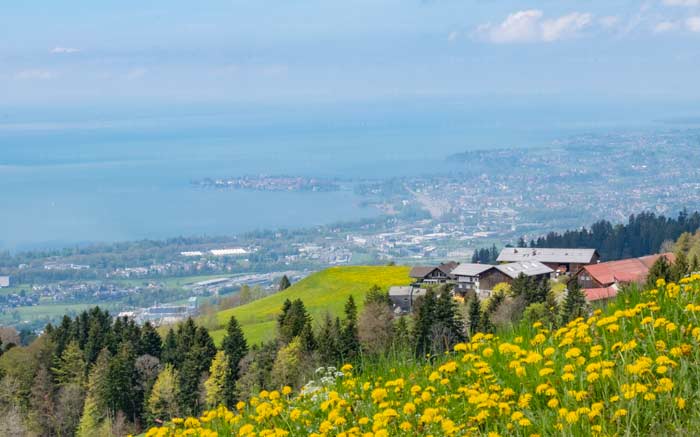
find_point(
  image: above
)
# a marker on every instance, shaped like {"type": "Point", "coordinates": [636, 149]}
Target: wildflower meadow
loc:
{"type": "Point", "coordinates": [628, 369]}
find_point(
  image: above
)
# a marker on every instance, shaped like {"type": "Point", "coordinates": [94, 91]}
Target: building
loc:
{"type": "Point", "coordinates": [559, 260]}
{"type": "Point", "coordinates": [425, 275]}
{"type": "Point", "coordinates": [403, 298]}
{"type": "Point", "coordinates": [4, 281]}
{"type": "Point", "coordinates": [601, 281]}
{"type": "Point", "coordinates": [482, 278]}
{"type": "Point", "coordinates": [468, 277]}
{"type": "Point", "coordinates": [507, 272]}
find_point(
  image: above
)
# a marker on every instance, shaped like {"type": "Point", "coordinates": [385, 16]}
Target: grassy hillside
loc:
{"type": "Point", "coordinates": [323, 291]}
{"type": "Point", "coordinates": [631, 369]}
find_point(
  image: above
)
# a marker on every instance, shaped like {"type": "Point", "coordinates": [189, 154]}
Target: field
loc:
{"type": "Point", "coordinates": [631, 369]}
{"type": "Point", "coordinates": [322, 292]}
{"type": "Point", "coordinates": [43, 311]}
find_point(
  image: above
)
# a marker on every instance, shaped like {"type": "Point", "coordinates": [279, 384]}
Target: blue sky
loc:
{"type": "Point", "coordinates": [80, 52]}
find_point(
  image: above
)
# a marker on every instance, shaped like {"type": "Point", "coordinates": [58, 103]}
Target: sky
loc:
{"type": "Point", "coordinates": [77, 52]}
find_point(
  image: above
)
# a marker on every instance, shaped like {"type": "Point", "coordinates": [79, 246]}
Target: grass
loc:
{"type": "Point", "coordinates": [322, 292]}
{"type": "Point", "coordinates": [632, 368]}
{"type": "Point", "coordinates": [41, 311]}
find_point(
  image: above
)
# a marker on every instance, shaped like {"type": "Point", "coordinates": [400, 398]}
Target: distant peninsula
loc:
{"type": "Point", "coordinates": [271, 183]}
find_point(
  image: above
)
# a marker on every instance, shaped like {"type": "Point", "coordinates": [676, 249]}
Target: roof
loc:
{"type": "Point", "coordinates": [528, 268]}
{"type": "Point", "coordinates": [626, 270]}
{"type": "Point", "coordinates": [593, 294]}
{"type": "Point", "coordinates": [448, 267]}
{"type": "Point", "coordinates": [420, 271]}
{"type": "Point", "coordinates": [469, 269]}
{"type": "Point", "coordinates": [545, 255]}
{"type": "Point", "coordinates": [423, 271]}
{"type": "Point", "coordinates": [399, 291]}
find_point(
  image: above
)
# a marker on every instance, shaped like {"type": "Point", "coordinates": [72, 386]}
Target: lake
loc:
{"type": "Point", "coordinates": [70, 175]}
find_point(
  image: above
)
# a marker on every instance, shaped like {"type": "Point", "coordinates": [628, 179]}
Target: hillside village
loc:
{"type": "Point", "coordinates": [599, 280]}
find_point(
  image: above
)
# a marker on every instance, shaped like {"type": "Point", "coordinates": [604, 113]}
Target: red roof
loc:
{"type": "Point", "coordinates": [626, 270]}
{"type": "Point", "coordinates": [593, 294]}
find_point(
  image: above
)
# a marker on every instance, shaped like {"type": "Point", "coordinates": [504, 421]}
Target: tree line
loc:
{"type": "Point", "coordinates": [643, 234]}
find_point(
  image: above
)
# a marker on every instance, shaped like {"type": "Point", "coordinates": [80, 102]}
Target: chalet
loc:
{"type": "Point", "coordinates": [507, 272]}
{"type": "Point", "coordinates": [468, 277]}
{"type": "Point", "coordinates": [559, 260]}
{"type": "Point", "coordinates": [482, 278]}
{"type": "Point", "coordinates": [601, 281]}
{"type": "Point", "coordinates": [441, 274]}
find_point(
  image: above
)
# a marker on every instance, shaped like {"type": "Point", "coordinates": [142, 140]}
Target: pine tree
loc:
{"type": "Point", "coordinates": [553, 310]}
{"type": "Point", "coordinates": [661, 269]}
{"type": "Point", "coordinates": [286, 306]}
{"type": "Point", "coordinates": [474, 315]}
{"type": "Point", "coordinates": [497, 297]}
{"type": "Point", "coordinates": [203, 340]}
{"type": "Point", "coordinates": [536, 291]}
{"type": "Point", "coordinates": [216, 383]}
{"type": "Point", "coordinates": [349, 338]}
{"type": "Point", "coordinates": [448, 320]}
{"type": "Point", "coordinates": [328, 347]}
{"type": "Point", "coordinates": [308, 341]}
{"type": "Point", "coordinates": [423, 326]}
{"type": "Point", "coordinates": [575, 302]}
{"type": "Point", "coordinates": [486, 324]}
{"type": "Point", "coordinates": [293, 322]}
{"type": "Point", "coordinates": [376, 295]}
{"type": "Point", "coordinates": [284, 283]}
{"type": "Point", "coordinates": [122, 384]}
{"type": "Point", "coordinates": [680, 267]}
{"type": "Point", "coordinates": [169, 351]}
{"type": "Point", "coordinates": [402, 336]}
{"type": "Point", "coordinates": [235, 347]}
{"type": "Point", "coordinates": [95, 418]}
{"type": "Point", "coordinates": [150, 342]}
{"type": "Point", "coordinates": [70, 368]}
{"type": "Point", "coordinates": [694, 264]}
{"type": "Point", "coordinates": [163, 401]}
{"type": "Point", "coordinates": [190, 378]}
{"type": "Point", "coordinates": [520, 285]}
{"type": "Point", "coordinates": [95, 342]}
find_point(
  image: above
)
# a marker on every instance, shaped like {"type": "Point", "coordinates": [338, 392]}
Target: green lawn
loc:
{"type": "Point", "coordinates": [322, 292]}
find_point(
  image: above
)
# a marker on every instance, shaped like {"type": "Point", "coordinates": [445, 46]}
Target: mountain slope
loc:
{"type": "Point", "coordinates": [632, 369]}
{"type": "Point", "coordinates": [322, 292]}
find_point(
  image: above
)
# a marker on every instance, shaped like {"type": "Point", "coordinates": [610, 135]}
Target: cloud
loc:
{"type": "Point", "coordinates": [64, 50]}
{"type": "Point", "coordinates": [35, 74]}
{"type": "Point", "coordinates": [665, 26]}
{"type": "Point", "coordinates": [686, 3]}
{"type": "Point", "coordinates": [528, 26]}
{"type": "Point", "coordinates": [608, 21]}
{"type": "Point", "coordinates": [693, 24]}
{"type": "Point", "coordinates": [565, 26]}
{"type": "Point", "coordinates": [452, 36]}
